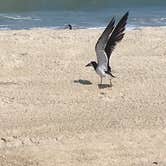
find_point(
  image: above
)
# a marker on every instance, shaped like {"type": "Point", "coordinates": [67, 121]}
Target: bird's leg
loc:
{"type": "Point", "coordinates": [110, 83]}
{"type": "Point", "coordinates": [101, 80]}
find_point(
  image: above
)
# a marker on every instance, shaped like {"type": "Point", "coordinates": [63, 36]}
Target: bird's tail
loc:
{"type": "Point", "coordinates": [112, 75]}
{"type": "Point", "coordinates": [109, 73]}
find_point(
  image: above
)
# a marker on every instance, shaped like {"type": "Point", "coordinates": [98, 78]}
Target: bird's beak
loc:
{"type": "Point", "coordinates": [89, 64]}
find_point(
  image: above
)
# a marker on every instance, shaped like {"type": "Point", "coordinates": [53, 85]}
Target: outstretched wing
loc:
{"type": "Point", "coordinates": [101, 43]}
{"type": "Point", "coordinates": [116, 36]}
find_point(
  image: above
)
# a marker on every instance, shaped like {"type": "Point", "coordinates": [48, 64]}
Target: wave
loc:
{"type": "Point", "coordinates": [19, 18]}
{"type": "Point", "coordinates": [139, 17]}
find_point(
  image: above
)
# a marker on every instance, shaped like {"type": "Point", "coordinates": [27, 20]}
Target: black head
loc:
{"type": "Point", "coordinates": [92, 63]}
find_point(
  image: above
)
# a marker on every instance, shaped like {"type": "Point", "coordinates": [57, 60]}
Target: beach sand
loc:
{"type": "Point", "coordinates": [52, 112]}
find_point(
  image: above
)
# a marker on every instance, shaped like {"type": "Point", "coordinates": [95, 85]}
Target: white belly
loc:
{"type": "Point", "coordinates": [100, 71]}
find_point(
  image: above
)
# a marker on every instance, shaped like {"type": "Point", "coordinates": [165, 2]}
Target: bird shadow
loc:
{"type": "Point", "coordinates": [103, 86]}
{"type": "Point", "coordinates": [83, 82]}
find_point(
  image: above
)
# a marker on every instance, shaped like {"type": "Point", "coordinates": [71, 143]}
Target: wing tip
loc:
{"type": "Point", "coordinates": [113, 21]}
{"type": "Point", "coordinates": [126, 15]}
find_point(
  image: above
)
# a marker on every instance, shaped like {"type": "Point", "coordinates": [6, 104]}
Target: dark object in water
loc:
{"type": "Point", "coordinates": [70, 26]}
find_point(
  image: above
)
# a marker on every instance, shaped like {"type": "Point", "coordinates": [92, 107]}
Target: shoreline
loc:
{"type": "Point", "coordinates": [128, 28]}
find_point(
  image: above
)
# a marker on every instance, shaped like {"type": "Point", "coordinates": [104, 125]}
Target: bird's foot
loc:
{"type": "Point", "coordinates": [110, 83]}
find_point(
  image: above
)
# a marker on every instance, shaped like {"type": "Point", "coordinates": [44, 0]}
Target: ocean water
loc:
{"type": "Point", "coordinates": [56, 14]}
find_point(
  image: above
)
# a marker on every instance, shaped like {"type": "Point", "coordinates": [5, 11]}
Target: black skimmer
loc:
{"type": "Point", "coordinates": [106, 44]}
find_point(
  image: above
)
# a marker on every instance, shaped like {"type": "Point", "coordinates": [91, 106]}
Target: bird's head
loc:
{"type": "Point", "coordinates": [92, 63]}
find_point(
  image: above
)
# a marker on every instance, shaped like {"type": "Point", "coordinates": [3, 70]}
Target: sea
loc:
{"type": "Point", "coordinates": [81, 14]}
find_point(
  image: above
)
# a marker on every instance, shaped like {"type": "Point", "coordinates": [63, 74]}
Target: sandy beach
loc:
{"type": "Point", "coordinates": [52, 112]}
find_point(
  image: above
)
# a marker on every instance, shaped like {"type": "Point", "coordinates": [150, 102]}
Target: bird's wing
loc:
{"type": "Point", "coordinates": [101, 43]}
{"type": "Point", "coordinates": [116, 35]}
{"type": "Point", "coordinates": [102, 59]}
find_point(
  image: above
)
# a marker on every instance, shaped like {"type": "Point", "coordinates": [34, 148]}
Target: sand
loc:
{"type": "Point", "coordinates": [52, 112]}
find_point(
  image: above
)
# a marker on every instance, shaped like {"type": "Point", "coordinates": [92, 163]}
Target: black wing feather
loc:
{"type": "Point", "coordinates": [116, 36]}
{"type": "Point", "coordinates": [101, 43]}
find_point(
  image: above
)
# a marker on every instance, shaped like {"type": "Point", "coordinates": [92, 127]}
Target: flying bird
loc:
{"type": "Point", "coordinates": [105, 46]}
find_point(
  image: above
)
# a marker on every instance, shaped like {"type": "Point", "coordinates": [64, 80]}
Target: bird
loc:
{"type": "Point", "coordinates": [105, 46]}
{"type": "Point", "coordinates": [70, 26]}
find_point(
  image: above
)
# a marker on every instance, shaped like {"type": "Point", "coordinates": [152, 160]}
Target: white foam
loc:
{"type": "Point", "coordinates": [20, 18]}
